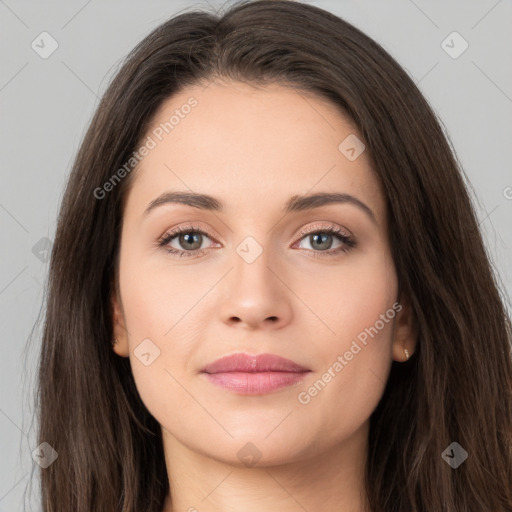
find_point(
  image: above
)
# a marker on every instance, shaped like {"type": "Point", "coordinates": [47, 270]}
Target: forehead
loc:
{"type": "Point", "coordinates": [252, 147]}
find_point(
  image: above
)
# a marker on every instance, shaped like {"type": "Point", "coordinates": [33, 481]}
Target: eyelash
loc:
{"type": "Point", "coordinates": [331, 230]}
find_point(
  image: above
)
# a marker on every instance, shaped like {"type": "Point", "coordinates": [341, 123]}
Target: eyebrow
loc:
{"type": "Point", "coordinates": [296, 203]}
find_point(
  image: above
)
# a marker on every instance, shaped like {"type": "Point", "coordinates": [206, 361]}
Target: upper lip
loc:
{"type": "Point", "coordinates": [253, 364]}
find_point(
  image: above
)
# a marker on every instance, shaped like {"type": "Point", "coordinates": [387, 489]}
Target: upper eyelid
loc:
{"type": "Point", "coordinates": [311, 229]}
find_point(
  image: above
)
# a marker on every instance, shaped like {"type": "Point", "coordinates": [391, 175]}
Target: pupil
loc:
{"type": "Point", "coordinates": [190, 239]}
{"type": "Point", "coordinates": [323, 238]}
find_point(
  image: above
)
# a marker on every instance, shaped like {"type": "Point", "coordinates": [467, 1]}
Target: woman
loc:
{"type": "Point", "coordinates": [203, 351]}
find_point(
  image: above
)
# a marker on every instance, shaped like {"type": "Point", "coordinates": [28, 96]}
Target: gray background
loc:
{"type": "Point", "coordinates": [46, 105]}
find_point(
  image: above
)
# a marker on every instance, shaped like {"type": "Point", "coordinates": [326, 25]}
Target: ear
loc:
{"type": "Point", "coordinates": [120, 333]}
{"type": "Point", "coordinates": [405, 332]}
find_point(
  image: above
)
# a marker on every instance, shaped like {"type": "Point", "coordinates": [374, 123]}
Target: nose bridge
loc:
{"type": "Point", "coordinates": [253, 292]}
{"type": "Point", "coordinates": [254, 263]}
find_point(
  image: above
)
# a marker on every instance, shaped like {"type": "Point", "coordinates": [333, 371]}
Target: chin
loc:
{"type": "Point", "coordinates": [248, 450]}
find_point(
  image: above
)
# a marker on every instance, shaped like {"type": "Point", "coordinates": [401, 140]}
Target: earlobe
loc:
{"type": "Point", "coordinates": [405, 333]}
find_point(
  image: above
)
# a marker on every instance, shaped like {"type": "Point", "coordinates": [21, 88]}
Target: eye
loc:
{"type": "Point", "coordinates": [189, 240]}
{"type": "Point", "coordinates": [321, 239]}
{"type": "Point", "coordinates": [188, 237]}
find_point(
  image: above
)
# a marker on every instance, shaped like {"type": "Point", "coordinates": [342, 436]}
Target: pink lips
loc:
{"type": "Point", "coordinates": [254, 375]}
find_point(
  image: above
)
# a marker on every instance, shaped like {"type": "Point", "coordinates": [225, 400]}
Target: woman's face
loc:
{"type": "Point", "coordinates": [267, 277]}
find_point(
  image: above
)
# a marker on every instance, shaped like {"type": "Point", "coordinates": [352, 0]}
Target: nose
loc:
{"type": "Point", "coordinates": [255, 295]}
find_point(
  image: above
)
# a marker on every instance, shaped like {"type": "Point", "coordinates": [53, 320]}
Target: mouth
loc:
{"type": "Point", "coordinates": [254, 375]}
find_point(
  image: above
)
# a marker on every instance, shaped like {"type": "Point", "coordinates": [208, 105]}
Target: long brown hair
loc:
{"type": "Point", "coordinates": [457, 387]}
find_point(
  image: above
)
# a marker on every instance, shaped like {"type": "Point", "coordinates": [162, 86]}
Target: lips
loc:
{"type": "Point", "coordinates": [254, 375]}
{"type": "Point", "coordinates": [253, 364]}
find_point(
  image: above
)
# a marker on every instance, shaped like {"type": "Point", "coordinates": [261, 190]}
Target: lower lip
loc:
{"type": "Point", "coordinates": [259, 383]}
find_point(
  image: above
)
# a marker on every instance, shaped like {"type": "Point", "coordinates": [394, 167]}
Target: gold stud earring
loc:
{"type": "Point", "coordinates": [407, 353]}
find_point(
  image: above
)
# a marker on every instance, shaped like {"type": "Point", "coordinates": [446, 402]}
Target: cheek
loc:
{"type": "Point", "coordinates": [159, 311]}
{"type": "Point", "coordinates": [349, 297]}
{"type": "Point", "coordinates": [357, 307]}
{"type": "Point", "coordinates": [156, 296]}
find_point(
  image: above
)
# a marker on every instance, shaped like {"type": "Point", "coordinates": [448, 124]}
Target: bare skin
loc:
{"type": "Point", "coordinates": [253, 149]}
